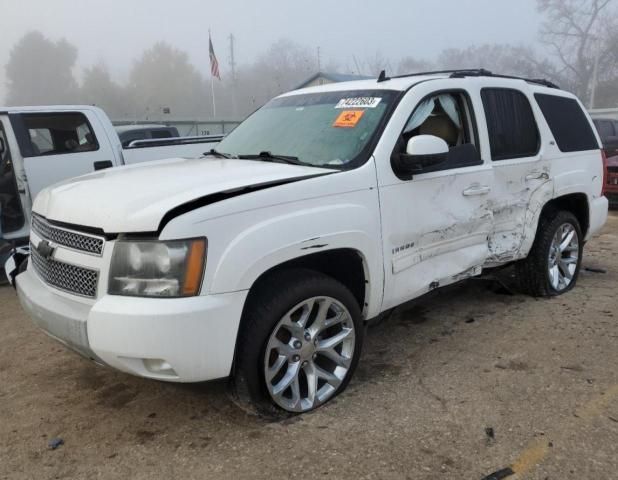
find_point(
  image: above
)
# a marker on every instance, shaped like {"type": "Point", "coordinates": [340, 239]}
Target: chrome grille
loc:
{"type": "Point", "coordinates": [67, 238]}
{"type": "Point", "coordinates": [72, 279]}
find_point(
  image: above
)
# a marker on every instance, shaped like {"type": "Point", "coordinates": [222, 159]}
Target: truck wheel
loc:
{"type": "Point", "coordinates": [300, 341]}
{"type": "Point", "coordinates": [554, 261]}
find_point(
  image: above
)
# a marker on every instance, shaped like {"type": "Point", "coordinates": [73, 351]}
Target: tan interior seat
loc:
{"type": "Point", "coordinates": [440, 126]}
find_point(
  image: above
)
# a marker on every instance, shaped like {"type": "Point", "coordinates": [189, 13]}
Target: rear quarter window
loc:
{"type": "Point", "coordinates": [568, 123]}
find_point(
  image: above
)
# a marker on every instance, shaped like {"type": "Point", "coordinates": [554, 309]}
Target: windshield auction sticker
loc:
{"type": "Point", "coordinates": [359, 102]}
{"type": "Point", "coordinates": [348, 119]}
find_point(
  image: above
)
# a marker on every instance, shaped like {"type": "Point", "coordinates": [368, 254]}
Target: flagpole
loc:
{"type": "Point", "coordinates": [212, 87]}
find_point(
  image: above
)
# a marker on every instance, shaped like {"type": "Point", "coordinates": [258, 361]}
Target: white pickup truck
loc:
{"type": "Point", "coordinates": [40, 146]}
{"type": "Point", "coordinates": [325, 208]}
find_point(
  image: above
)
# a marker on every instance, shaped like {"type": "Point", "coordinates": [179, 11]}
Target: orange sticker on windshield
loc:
{"type": "Point", "coordinates": [348, 118]}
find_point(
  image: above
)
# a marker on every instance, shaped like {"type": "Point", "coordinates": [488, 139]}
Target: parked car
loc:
{"type": "Point", "coordinates": [608, 131]}
{"type": "Point", "coordinates": [131, 133]}
{"type": "Point", "coordinates": [324, 209]}
{"type": "Point", "coordinates": [40, 146]}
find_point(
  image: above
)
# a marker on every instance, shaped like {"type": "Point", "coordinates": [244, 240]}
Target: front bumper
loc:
{"type": "Point", "coordinates": [179, 340]}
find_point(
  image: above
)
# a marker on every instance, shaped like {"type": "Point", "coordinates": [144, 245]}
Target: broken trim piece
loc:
{"type": "Point", "coordinates": [500, 474]}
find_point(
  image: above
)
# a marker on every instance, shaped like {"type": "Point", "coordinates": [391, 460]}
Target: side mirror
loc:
{"type": "Point", "coordinates": [2, 147]}
{"type": "Point", "coordinates": [422, 152]}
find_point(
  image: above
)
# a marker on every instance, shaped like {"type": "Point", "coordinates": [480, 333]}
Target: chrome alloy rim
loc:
{"type": "Point", "coordinates": [309, 354]}
{"type": "Point", "coordinates": [563, 257]}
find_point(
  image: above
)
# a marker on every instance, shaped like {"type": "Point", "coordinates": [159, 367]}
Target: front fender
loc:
{"type": "Point", "coordinates": [275, 240]}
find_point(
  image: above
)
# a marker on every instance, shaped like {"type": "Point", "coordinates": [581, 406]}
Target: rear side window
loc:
{"type": "Point", "coordinates": [567, 122]}
{"type": "Point", "coordinates": [57, 133]}
{"type": "Point", "coordinates": [513, 132]}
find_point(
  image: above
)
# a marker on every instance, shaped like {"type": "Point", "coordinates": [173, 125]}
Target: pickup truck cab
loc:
{"type": "Point", "coordinates": [325, 208]}
{"type": "Point", "coordinates": [40, 146]}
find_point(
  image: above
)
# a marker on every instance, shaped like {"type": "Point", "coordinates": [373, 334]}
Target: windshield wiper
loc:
{"type": "Point", "coordinates": [215, 153]}
{"type": "Point", "coordinates": [269, 157]}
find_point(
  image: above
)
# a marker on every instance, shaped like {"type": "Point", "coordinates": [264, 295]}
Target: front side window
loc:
{"type": "Point", "coordinates": [447, 115]}
{"type": "Point", "coordinates": [512, 129]}
{"type": "Point", "coordinates": [58, 133]}
{"type": "Point", "coordinates": [328, 129]}
{"type": "Point", "coordinates": [568, 123]}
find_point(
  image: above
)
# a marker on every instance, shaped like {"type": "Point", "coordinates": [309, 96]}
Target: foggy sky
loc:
{"type": "Point", "coordinates": [117, 31]}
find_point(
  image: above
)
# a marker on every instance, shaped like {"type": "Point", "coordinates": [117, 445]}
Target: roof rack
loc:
{"type": "Point", "coordinates": [471, 72]}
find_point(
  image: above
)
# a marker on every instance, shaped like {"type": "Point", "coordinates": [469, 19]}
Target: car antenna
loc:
{"type": "Point", "coordinates": [382, 77]}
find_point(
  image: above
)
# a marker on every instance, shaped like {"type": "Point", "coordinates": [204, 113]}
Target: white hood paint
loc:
{"type": "Point", "coordinates": [135, 198]}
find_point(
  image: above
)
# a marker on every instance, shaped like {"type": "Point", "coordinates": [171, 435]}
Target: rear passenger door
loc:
{"type": "Point", "coordinates": [59, 145]}
{"type": "Point", "coordinates": [514, 145]}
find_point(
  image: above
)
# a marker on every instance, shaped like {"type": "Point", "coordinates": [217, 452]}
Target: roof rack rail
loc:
{"type": "Point", "coordinates": [486, 73]}
{"type": "Point", "coordinates": [470, 72]}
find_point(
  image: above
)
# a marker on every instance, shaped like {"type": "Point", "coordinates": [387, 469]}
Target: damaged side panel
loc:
{"type": "Point", "coordinates": [519, 186]}
{"type": "Point", "coordinates": [436, 234]}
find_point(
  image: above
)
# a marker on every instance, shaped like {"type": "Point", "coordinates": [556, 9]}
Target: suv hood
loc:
{"type": "Point", "coordinates": [135, 198]}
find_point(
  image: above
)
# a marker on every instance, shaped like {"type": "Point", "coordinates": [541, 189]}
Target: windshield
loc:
{"type": "Point", "coordinates": [321, 129]}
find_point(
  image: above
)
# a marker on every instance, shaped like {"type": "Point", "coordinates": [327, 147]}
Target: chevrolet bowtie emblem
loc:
{"type": "Point", "coordinates": [45, 249]}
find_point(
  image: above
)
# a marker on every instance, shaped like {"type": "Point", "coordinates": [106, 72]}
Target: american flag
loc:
{"type": "Point", "coordinates": [214, 63]}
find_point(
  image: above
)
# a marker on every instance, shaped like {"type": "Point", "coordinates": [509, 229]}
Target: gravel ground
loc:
{"type": "Point", "coordinates": [458, 385]}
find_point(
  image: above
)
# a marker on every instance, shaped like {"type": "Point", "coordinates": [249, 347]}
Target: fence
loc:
{"type": "Point", "coordinates": [189, 128]}
{"type": "Point", "coordinates": [604, 113]}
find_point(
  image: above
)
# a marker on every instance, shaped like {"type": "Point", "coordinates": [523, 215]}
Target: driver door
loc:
{"type": "Point", "coordinates": [435, 225]}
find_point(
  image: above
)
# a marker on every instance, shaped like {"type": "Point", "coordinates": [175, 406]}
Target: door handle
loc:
{"type": "Point", "coordinates": [537, 176]}
{"type": "Point", "coordinates": [103, 165]}
{"type": "Point", "coordinates": [476, 190]}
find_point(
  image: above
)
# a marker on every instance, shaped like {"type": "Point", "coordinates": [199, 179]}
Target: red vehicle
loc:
{"type": "Point", "coordinates": [608, 131]}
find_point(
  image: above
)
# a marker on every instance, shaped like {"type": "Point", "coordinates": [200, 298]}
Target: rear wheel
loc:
{"type": "Point", "coordinates": [553, 264]}
{"type": "Point", "coordinates": [300, 342]}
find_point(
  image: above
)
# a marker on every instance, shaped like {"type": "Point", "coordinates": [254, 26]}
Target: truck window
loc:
{"type": "Point", "coordinates": [128, 137]}
{"type": "Point", "coordinates": [605, 129]}
{"type": "Point", "coordinates": [567, 122]}
{"type": "Point", "coordinates": [161, 134]}
{"type": "Point", "coordinates": [449, 116]}
{"type": "Point", "coordinates": [11, 213]}
{"type": "Point", "coordinates": [58, 133]}
{"type": "Point", "coordinates": [513, 132]}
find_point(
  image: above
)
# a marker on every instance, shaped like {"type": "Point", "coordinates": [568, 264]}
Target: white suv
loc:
{"type": "Point", "coordinates": [328, 206]}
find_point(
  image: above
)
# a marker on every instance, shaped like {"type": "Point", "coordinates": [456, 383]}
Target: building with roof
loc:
{"type": "Point", "coordinates": [322, 78]}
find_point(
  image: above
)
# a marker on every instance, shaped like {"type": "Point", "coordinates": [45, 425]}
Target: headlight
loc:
{"type": "Point", "coordinates": [153, 268]}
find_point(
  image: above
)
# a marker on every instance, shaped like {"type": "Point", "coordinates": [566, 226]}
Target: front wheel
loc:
{"type": "Point", "coordinates": [553, 264]}
{"type": "Point", "coordinates": [300, 341]}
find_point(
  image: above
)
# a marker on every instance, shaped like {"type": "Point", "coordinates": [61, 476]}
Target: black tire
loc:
{"type": "Point", "coordinates": [533, 271]}
{"type": "Point", "coordinates": [268, 302]}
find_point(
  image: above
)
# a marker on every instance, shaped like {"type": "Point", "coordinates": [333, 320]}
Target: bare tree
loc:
{"type": "Point", "coordinates": [499, 58]}
{"type": "Point", "coordinates": [572, 30]}
{"type": "Point", "coordinates": [413, 65]}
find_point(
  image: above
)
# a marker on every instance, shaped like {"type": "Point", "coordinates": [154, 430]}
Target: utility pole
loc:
{"type": "Point", "coordinates": [595, 72]}
{"type": "Point", "coordinates": [233, 70]}
{"type": "Point", "coordinates": [232, 60]}
{"type": "Point", "coordinates": [319, 61]}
